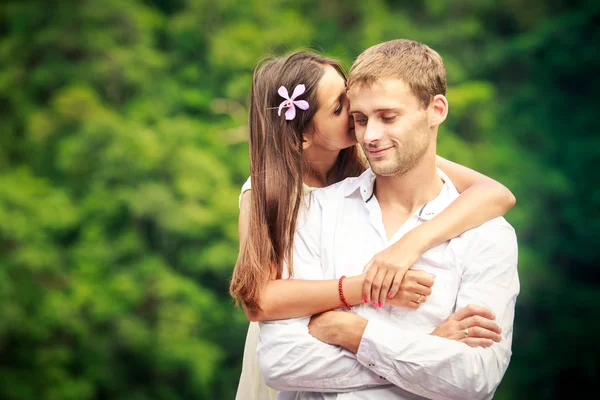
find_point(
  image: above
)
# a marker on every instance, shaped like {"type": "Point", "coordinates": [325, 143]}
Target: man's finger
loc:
{"type": "Point", "coordinates": [424, 290]}
{"type": "Point", "coordinates": [424, 278]}
{"type": "Point", "coordinates": [473, 309]}
{"type": "Point", "coordinates": [482, 322]}
{"type": "Point", "coordinates": [482, 333]}
{"type": "Point", "coordinates": [420, 299]}
{"type": "Point", "coordinates": [477, 342]}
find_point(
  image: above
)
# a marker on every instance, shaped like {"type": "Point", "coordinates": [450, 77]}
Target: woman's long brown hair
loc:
{"type": "Point", "coordinates": [277, 165]}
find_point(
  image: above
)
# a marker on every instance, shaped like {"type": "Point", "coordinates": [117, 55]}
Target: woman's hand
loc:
{"type": "Point", "coordinates": [414, 289]}
{"type": "Point", "coordinates": [386, 269]}
{"type": "Point", "coordinates": [473, 325]}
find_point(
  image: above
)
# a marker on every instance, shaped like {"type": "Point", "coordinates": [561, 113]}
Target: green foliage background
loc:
{"type": "Point", "coordinates": [123, 146]}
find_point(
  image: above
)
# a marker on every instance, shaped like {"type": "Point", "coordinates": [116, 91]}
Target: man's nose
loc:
{"type": "Point", "coordinates": [373, 132]}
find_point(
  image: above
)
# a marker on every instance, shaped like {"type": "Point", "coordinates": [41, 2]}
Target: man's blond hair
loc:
{"type": "Point", "coordinates": [414, 63]}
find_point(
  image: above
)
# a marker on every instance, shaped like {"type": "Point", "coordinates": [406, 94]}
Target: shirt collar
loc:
{"type": "Point", "coordinates": [365, 184]}
{"type": "Point", "coordinates": [446, 196]}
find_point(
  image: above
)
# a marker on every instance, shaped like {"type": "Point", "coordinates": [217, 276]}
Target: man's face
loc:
{"type": "Point", "coordinates": [391, 125]}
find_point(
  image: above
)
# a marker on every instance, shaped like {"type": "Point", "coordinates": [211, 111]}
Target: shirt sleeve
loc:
{"type": "Point", "coordinates": [438, 368]}
{"type": "Point", "coordinates": [290, 358]}
{"type": "Point", "coordinates": [245, 187]}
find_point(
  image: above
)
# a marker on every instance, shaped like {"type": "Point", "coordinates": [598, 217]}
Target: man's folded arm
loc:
{"type": "Point", "coordinates": [430, 366]}
{"type": "Point", "coordinates": [293, 360]}
{"type": "Point", "coordinates": [439, 368]}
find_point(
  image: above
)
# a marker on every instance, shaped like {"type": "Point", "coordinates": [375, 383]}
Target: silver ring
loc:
{"type": "Point", "coordinates": [467, 332]}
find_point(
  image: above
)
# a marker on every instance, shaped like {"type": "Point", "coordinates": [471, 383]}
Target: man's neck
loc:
{"type": "Point", "coordinates": [320, 163]}
{"type": "Point", "coordinates": [411, 190]}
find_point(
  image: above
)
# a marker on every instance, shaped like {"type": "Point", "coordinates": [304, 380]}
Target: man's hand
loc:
{"type": "Point", "coordinates": [338, 328]}
{"type": "Point", "coordinates": [472, 325]}
{"type": "Point", "coordinates": [415, 288]}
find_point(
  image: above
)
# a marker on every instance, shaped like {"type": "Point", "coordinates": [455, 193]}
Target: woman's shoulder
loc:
{"type": "Point", "coordinates": [245, 187]}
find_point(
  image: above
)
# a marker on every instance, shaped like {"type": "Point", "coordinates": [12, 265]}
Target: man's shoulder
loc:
{"type": "Point", "coordinates": [491, 230]}
{"type": "Point", "coordinates": [497, 233]}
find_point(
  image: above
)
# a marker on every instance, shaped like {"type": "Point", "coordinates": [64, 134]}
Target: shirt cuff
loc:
{"type": "Point", "coordinates": [367, 353]}
{"type": "Point", "coordinates": [382, 345]}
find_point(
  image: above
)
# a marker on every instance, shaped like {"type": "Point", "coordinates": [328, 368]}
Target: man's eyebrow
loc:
{"type": "Point", "coordinates": [376, 111]}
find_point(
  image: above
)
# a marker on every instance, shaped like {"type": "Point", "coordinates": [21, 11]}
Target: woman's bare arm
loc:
{"type": "Point", "coordinates": [481, 200]}
{"type": "Point", "coordinates": [288, 298]}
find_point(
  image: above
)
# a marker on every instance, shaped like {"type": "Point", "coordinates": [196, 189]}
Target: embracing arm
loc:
{"type": "Point", "coordinates": [293, 298]}
{"type": "Point", "coordinates": [481, 199]}
{"type": "Point", "coordinates": [288, 298]}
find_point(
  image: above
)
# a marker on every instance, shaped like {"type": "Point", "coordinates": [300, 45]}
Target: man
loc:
{"type": "Point", "coordinates": [397, 101]}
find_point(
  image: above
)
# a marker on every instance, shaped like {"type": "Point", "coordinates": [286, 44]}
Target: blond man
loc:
{"type": "Point", "coordinates": [456, 345]}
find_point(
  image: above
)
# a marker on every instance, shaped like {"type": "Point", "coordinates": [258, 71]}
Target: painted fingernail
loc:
{"type": "Point", "coordinates": [366, 299]}
{"type": "Point", "coordinates": [381, 304]}
{"type": "Point", "coordinates": [390, 295]}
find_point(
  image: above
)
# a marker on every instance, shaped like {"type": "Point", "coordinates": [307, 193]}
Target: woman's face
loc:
{"type": "Point", "coordinates": [332, 128]}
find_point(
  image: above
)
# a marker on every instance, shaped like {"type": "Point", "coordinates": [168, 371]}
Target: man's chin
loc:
{"type": "Point", "coordinates": [382, 168]}
{"type": "Point", "coordinates": [379, 168]}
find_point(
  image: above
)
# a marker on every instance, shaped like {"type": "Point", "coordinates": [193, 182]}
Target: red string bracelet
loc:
{"type": "Point", "coordinates": [341, 290]}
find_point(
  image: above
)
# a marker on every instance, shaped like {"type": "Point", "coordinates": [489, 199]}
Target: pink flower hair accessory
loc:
{"type": "Point", "coordinates": [290, 102]}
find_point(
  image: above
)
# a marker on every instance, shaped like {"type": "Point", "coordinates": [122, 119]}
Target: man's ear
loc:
{"type": "Point", "coordinates": [438, 110]}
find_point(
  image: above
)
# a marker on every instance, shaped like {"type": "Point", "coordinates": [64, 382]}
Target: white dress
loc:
{"type": "Point", "coordinates": [252, 385]}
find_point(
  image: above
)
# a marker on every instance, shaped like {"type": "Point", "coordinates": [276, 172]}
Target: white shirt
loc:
{"type": "Point", "coordinates": [397, 358]}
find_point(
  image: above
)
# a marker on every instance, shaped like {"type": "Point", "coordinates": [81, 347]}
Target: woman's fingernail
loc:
{"type": "Point", "coordinates": [366, 299]}
{"type": "Point", "coordinates": [390, 295]}
{"type": "Point", "coordinates": [381, 304]}
{"type": "Point", "coordinates": [432, 275]}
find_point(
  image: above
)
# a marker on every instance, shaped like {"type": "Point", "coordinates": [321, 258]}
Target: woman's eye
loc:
{"type": "Point", "coordinates": [338, 110]}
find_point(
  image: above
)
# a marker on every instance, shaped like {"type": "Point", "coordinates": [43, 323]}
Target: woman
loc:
{"type": "Point", "coordinates": [316, 147]}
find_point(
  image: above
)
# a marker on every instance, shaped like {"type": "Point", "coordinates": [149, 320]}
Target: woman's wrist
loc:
{"type": "Point", "coordinates": [352, 288]}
